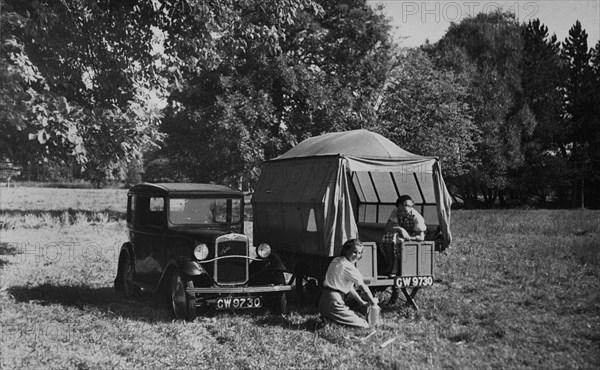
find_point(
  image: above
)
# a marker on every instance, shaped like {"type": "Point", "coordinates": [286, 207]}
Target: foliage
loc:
{"type": "Point", "coordinates": [582, 119]}
{"type": "Point", "coordinates": [545, 170]}
{"type": "Point", "coordinates": [318, 69]}
{"type": "Point", "coordinates": [593, 187]}
{"type": "Point", "coordinates": [487, 51]}
{"type": "Point", "coordinates": [425, 110]}
{"type": "Point", "coordinates": [74, 76]}
{"type": "Point", "coordinates": [533, 101]}
{"type": "Point", "coordinates": [513, 114]}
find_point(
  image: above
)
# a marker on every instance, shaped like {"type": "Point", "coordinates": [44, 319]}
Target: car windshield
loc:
{"type": "Point", "coordinates": [187, 211]}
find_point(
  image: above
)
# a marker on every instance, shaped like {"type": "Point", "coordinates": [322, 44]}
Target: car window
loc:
{"type": "Point", "coordinates": [157, 204]}
{"type": "Point", "coordinates": [204, 210]}
{"type": "Point", "coordinates": [131, 208]}
{"type": "Point", "coordinates": [149, 210]}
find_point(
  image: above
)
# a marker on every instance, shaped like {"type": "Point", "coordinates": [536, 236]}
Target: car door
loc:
{"type": "Point", "coordinates": [148, 237]}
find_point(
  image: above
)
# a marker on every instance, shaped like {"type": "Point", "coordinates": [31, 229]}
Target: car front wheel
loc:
{"type": "Point", "coordinates": [184, 306]}
{"type": "Point", "coordinates": [278, 301]}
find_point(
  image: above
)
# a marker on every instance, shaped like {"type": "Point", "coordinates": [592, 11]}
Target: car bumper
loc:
{"type": "Point", "coordinates": [240, 290]}
{"type": "Point", "coordinates": [234, 298]}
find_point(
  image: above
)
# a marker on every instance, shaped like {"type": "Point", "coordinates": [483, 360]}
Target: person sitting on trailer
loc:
{"type": "Point", "coordinates": [404, 224]}
{"type": "Point", "coordinates": [341, 278]}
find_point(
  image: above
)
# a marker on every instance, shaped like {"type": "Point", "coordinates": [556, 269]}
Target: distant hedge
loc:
{"type": "Point", "coordinates": [61, 185]}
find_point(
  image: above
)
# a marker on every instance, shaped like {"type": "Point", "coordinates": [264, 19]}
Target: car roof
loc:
{"type": "Point", "coordinates": [184, 189]}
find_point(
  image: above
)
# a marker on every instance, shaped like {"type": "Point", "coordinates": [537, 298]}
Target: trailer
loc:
{"type": "Point", "coordinates": [344, 185]}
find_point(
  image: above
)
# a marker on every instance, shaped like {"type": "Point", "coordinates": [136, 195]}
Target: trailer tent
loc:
{"type": "Point", "coordinates": [343, 185]}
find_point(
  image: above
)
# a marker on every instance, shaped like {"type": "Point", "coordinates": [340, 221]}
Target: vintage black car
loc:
{"type": "Point", "coordinates": [188, 240]}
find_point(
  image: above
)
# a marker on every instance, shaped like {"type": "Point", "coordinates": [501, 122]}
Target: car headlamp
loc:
{"type": "Point", "coordinates": [201, 251]}
{"type": "Point", "coordinates": [263, 250]}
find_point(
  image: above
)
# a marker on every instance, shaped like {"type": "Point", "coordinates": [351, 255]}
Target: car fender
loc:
{"type": "Point", "coordinates": [271, 263]}
{"type": "Point", "coordinates": [189, 267]}
{"type": "Point", "coordinates": [274, 263]}
{"type": "Point", "coordinates": [182, 264]}
{"type": "Point", "coordinates": [267, 271]}
{"type": "Point", "coordinates": [126, 250]}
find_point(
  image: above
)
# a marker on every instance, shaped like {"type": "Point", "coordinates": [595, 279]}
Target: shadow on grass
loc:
{"type": "Point", "coordinates": [105, 301]}
{"type": "Point", "coordinates": [148, 307]}
{"type": "Point", "coordinates": [306, 317]}
{"type": "Point", "coordinates": [320, 327]}
{"type": "Point", "coordinates": [288, 321]}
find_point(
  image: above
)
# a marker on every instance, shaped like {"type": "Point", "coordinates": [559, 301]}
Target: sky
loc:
{"type": "Point", "coordinates": [419, 20]}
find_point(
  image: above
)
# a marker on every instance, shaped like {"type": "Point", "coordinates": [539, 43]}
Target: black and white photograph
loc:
{"type": "Point", "coordinates": [299, 184]}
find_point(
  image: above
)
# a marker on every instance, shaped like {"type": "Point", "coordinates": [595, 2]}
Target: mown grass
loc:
{"type": "Point", "coordinates": [517, 289]}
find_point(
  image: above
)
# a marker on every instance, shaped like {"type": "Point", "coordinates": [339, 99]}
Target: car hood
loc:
{"type": "Point", "coordinates": [201, 233]}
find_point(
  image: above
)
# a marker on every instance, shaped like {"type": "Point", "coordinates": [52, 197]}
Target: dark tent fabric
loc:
{"type": "Point", "coordinates": [316, 195]}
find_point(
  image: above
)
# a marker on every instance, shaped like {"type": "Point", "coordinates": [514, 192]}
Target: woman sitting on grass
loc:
{"type": "Point", "coordinates": [340, 279]}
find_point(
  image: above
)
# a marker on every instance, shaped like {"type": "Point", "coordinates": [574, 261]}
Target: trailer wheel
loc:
{"type": "Point", "coordinates": [299, 274]}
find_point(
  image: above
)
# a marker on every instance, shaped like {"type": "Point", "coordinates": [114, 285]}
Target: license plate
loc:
{"type": "Point", "coordinates": [413, 281]}
{"type": "Point", "coordinates": [235, 303]}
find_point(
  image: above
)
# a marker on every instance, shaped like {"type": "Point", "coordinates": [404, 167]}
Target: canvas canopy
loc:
{"type": "Point", "coordinates": [329, 187]}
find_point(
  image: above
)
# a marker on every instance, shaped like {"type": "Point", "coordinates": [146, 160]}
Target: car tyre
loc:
{"type": "Point", "coordinates": [299, 274]}
{"type": "Point", "coordinates": [184, 306]}
{"type": "Point", "coordinates": [129, 288]}
{"type": "Point", "coordinates": [278, 304]}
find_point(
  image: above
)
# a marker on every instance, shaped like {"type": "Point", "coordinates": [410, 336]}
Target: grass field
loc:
{"type": "Point", "coordinates": [517, 289]}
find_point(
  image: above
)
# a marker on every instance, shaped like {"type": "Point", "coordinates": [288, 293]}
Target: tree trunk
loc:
{"type": "Point", "coordinates": [582, 192]}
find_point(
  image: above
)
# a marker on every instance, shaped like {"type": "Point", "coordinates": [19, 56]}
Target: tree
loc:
{"type": "Point", "coordinates": [593, 184]}
{"type": "Point", "coordinates": [487, 50]}
{"type": "Point", "coordinates": [356, 55]}
{"type": "Point", "coordinates": [220, 110]}
{"type": "Point", "coordinates": [269, 90]}
{"type": "Point", "coordinates": [545, 170]}
{"type": "Point", "coordinates": [579, 104]}
{"type": "Point", "coordinates": [74, 73]}
{"type": "Point", "coordinates": [425, 111]}
{"type": "Point", "coordinates": [18, 76]}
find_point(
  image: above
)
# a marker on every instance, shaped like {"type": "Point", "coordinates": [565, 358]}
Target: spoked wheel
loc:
{"type": "Point", "coordinates": [307, 288]}
{"type": "Point", "coordinates": [129, 288]}
{"type": "Point", "coordinates": [299, 274]}
{"type": "Point", "coordinates": [184, 306]}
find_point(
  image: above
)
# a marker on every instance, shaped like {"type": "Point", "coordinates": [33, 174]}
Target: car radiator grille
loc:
{"type": "Point", "coordinates": [231, 270]}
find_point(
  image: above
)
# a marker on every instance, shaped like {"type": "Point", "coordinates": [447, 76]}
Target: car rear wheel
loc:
{"type": "Point", "coordinates": [184, 306]}
{"type": "Point", "coordinates": [129, 288]}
